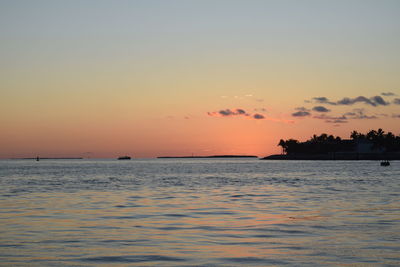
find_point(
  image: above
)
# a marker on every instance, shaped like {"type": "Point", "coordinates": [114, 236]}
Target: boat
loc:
{"type": "Point", "coordinates": [124, 158]}
{"type": "Point", "coordinates": [385, 163]}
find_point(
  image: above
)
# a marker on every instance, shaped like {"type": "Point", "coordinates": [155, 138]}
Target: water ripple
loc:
{"type": "Point", "coordinates": [199, 213]}
{"type": "Point", "coordinates": [132, 259]}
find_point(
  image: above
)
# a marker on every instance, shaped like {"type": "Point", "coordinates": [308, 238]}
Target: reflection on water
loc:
{"type": "Point", "coordinates": [199, 213]}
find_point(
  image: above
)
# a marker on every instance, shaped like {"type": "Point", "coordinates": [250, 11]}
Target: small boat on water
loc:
{"type": "Point", "coordinates": [385, 163]}
{"type": "Point", "coordinates": [124, 158]}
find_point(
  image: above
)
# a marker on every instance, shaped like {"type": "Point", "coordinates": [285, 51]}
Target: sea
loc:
{"type": "Point", "coordinates": [199, 212]}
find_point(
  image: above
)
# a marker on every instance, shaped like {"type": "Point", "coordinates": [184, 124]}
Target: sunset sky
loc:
{"type": "Point", "coordinates": [155, 78]}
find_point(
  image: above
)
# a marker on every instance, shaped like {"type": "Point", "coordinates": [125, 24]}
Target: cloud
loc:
{"type": "Point", "coordinates": [302, 109]}
{"type": "Point", "coordinates": [379, 100]}
{"type": "Point", "coordinates": [228, 112]}
{"type": "Point", "coordinates": [240, 111]}
{"type": "Point", "coordinates": [356, 114]}
{"type": "Point", "coordinates": [301, 114]}
{"type": "Point", "coordinates": [258, 116]}
{"type": "Point", "coordinates": [360, 99]}
{"type": "Point", "coordinates": [347, 101]}
{"type": "Point", "coordinates": [332, 119]}
{"type": "Point", "coordinates": [323, 100]}
{"type": "Point", "coordinates": [388, 94]}
{"type": "Point", "coordinates": [235, 112]}
{"type": "Point", "coordinates": [321, 109]}
{"type": "Point", "coordinates": [359, 114]}
{"type": "Point", "coordinates": [336, 121]}
{"type": "Point", "coordinates": [383, 115]}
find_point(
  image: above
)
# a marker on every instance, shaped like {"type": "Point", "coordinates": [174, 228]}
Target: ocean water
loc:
{"type": "Point", "coordinates": [199, 212]}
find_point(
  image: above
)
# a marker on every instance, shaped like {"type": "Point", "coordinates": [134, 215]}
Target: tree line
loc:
{"type": "Point", "coordinates": [324, 143]}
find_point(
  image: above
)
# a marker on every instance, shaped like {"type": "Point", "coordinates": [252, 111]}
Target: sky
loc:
{"type": "Point", "coordinates": [172, 78]}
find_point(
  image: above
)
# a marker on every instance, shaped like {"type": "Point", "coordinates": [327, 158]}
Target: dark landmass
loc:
{"type": "Point", "coordinates": [47, 158]}
{"type": "Point", "coordinates": [336, 156]}
{"type": "Point", "coordinates": [374, 145]}
{"type": "Point", "coordinates": [209, 157]}
{"type": "Point", "coordinates": [124, 158]}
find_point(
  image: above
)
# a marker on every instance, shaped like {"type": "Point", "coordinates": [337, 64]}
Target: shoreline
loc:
{"type": "Point", "coordinates": [43, 158]}
{"type": "Point", "coordinates": [207, 157]}
{"type": "Point", "coordinates": [336, 156]}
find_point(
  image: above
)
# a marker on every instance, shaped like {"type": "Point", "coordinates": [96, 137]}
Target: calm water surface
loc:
{"type": "Point", "coordinates": [199, 212]}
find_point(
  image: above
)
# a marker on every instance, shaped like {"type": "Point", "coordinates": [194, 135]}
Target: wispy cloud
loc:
{"type": "Point", "coordinates": [388, 94]}
{"type": "Point", "coordinates": [372, 101]}
{"type": "Point", "coordinates": [320, 111]}
{"type": "Point", "coordinates": [240, 111]}
{"type": "Point", "coordinates": [228, 112]}
{"type": "Point", "coordinates": [359, 114]}
{"type": "Point", "coordinates": [302, 109]}
{"type": "Point", "coordinates": [235, 112]}
{"type": "Point", "coordinates": [323, 100]}
{"type": "Point", "coordinates": [332, 119]}
{"type": "Point", "coordinates": [347, 101]}
{"type": "Point", "coordinates": [336, 121]}
{"type": "Point", "coordinates": [378, 100]}
{"type": "Point", "coordinates": [356, 114]}
{"type": "Point", "coordinates": [249, 97]}
{"type": "Point", "coordinates": [301, 112]}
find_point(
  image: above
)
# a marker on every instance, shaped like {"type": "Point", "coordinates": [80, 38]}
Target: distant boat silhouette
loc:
{"type": "Point", "coordinates": [124, 158]}
{"type": "Point", "coordinates": [385, 163]}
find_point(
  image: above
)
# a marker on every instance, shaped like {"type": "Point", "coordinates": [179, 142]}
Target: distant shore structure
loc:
{"type": "Point", "coordinates": [335, 156]}
{"type": "Point", "coordinates": [373, 145]}
{"type": "Point", "coordinates": [39, 158]}
{"type": "Point", "coordinates": [207, 157]}
{"type": "Point", "coordinates": [124, 158]}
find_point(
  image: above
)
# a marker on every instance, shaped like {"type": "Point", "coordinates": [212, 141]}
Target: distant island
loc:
{"type": "Point", "coordinates": [207, 157]}
{"type": "Point", "coordinates": [124, 158]}
{"type": "Point", "coordinates": [36, 158]}
{"type": "Point", "coordinates": [374, 145]}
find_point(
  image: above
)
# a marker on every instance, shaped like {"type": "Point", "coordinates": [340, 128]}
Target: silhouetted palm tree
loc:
{"type": "Point", "coordinates": [328, 143]}
{"type": "Point", "coordinates": [282, 143]}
